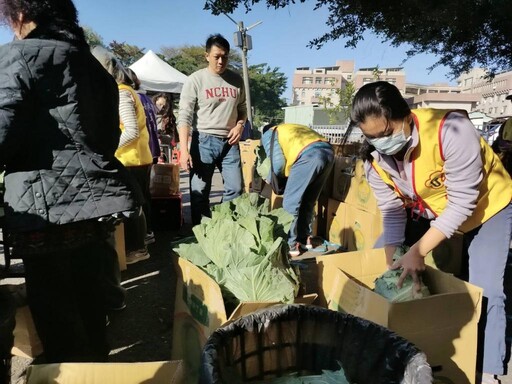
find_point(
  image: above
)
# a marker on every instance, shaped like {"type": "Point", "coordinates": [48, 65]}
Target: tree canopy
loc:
{"type": "Point", "coordinates": [189, 58]}
{"type": "Point", "coordinates": [126, 53]}
{"type": "Point", "coordinates": [462, 33]}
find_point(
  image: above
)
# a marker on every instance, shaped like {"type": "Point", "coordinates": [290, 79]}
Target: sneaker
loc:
{"type": "Point", "coordinates": [309, 245]}
{"type": "Point", "coordinates": [150, 238]}
{"type": "Point", "coordinates": [296, 250]}
{"type": "Point", "coordinates": [136, 256]}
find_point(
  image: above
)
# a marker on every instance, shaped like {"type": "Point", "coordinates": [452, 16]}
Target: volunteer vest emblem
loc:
{"type": "Point", "coordinates": [435, 180]}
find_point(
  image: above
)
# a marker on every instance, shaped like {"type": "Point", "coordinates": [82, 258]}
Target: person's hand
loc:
{"type": "Point", "coordinates": [412, 263]}
{"type": "Point", "coordinates": [185, 160]}
{"type": "Point", "coordinates": [389, 250]}
{"type": "Point", "coordinates": [235, 133]}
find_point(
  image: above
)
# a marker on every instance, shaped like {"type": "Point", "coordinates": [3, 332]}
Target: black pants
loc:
{"type": "Point", "coordinates": [66, 295]}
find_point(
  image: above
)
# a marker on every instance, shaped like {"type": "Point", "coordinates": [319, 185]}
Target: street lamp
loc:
{"type": "Point", "coordinates": [244, 41]}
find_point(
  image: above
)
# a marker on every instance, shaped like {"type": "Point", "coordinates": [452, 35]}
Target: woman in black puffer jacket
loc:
{"type": "Point", "coordinates": [59, 129]}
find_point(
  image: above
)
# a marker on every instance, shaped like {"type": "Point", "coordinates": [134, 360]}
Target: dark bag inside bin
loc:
{"type": "Point", "coordinates": [306, 340]}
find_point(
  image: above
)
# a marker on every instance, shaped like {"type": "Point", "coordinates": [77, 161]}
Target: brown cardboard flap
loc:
{"type": "Point", "coordinates": [443, 325]}
{"type": "Point", "coordinates": [26, 340]}
{"type": "Point", "coordinates": [160, 372]}
{"type": "Point", "coordinates": [248, 307]}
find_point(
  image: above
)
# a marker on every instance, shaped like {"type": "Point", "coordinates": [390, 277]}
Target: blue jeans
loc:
{"type": "Point", "coordinates": [307, 178]}
{"type": "Point", "coordinates": [208, 152]}
{"type": "Point", "coordinates": [488, 247]}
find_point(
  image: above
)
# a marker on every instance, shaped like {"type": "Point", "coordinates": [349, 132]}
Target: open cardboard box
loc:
{"type": "Point", "coordinates": [443, 325]}
{"type": "Point", "coordinates": [158, 372]}
{"type": "Point", "coordinates": [199, 310]}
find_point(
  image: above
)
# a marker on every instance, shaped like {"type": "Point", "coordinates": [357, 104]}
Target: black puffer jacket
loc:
{"type": "Point", "coordinates": [59, 129]}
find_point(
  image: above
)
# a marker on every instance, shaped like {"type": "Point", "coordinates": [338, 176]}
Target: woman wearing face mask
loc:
{"type": "Point", "coordinates": [431, 164]}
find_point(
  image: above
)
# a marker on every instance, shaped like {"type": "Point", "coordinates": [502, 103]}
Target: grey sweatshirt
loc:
{"type": "Point", "coordinates": [463, 172]}
{"type": "Point", "coordinates": [212, 103]}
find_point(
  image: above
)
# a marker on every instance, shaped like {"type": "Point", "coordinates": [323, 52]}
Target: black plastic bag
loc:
{"type": "Point", "coordinates": [286, 339]}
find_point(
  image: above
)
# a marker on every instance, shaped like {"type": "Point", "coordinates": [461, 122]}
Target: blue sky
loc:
{"type": "Point", "coordinates": [280, 41]}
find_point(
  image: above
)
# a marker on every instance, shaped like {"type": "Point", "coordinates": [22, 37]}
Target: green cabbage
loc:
{"type": "Point", "coordinates": [385, 285]}
{"type": "Point", "coordinates": [241, 246]}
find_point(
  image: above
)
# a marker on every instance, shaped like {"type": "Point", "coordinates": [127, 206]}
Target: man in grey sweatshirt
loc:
{"type": "Point", "coordinates": [212, 106]}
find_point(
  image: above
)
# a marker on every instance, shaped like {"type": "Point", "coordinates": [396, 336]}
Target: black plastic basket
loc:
{"type": "Point", "coordinates": [307, 339]}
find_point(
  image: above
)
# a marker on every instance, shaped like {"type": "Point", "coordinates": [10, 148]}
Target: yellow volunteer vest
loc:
{"type": "Point", "coordinates": [293, 138]}
{"type": "Point", "coordinates": [428, 172]}
{"type": "Point", "coordinates": [137, 152]}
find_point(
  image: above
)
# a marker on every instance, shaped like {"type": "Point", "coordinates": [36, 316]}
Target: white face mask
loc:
{"type": "Point", "coordinates": [390, 145]}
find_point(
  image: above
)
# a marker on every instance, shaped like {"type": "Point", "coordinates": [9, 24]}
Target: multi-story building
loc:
{"type": "Point", "coordinates": [474, 91]}
{"type": "Point", "coordinates": [318, 85]}
{"type": "Point", "coordinates": [492, 92]}
{"type": "Point", "coordinates": [394, 76]}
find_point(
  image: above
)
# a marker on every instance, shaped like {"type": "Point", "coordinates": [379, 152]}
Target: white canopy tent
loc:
{"type": "Point", "coordinates": [156, 75]}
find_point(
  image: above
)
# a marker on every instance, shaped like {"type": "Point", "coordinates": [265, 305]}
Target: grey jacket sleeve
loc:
{"type": "Point", "coordinates": [187, 105]}
{"type": "Point", "coordinates": [460, 143]}
{"type": "Point", "coordinates": [391, 207]}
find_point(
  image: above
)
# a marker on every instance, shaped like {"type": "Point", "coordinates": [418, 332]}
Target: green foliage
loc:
{"type": "Point", "coordinates": [343, 104]}
{"type": "Point", "coordinates": [461, 33]}
{"type": "Point", "coordinates": [241, 246]}
{"type": "Point", "coordinates": [126, 53]}
{"type": "Point", "coordinates": [189, 58]}
{"type": "Point", "coordinates": [267, 87]}
{"type": "Point", "coordinates": [92, 37]}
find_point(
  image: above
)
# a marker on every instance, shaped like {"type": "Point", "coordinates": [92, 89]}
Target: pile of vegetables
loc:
{"type": "Point", "coordinates": [385, 285]}
{"type": "Point", "coordinates": [242, 248]}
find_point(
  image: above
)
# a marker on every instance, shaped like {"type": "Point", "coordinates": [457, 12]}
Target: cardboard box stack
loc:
{"type": "Point", "coordinates": [248, 157]}
{"type": "Point", "coordinates": [353, 218]}
{"type": "Point", "coordinates": [199, 310]}
{"type": "Point", "coordinates": [443, 325]}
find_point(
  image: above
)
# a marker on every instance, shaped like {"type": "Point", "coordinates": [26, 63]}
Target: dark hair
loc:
{"type": "Point", "coordinates": [59, 17]}
{"type": "Point", "coordinates": [377, 99]}
{"type": "Point", "coordinates": [167, 111]}
{"type": "Point", "coordinates": [134, 78]}
{"type": "Point", "coordinates": [218, 40]}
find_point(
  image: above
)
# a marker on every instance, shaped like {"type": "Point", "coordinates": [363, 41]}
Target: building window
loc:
{"type": "Point", "coordinates": [330, 80]}
{"type": "Point", "coordinates": [303, 93]}
{"type": "Point", "coordinates": [391, 80]}
{"type": "Point", "coordinates": [307, 80]}
{"type": "Point", "coordinates": [318, 80]}
{"type": "Point", "coordinates": [318, 93]}
{"type": "Point", "coordinates": [367, 80]}
{"type": "Point", "coordinates": [349, 77]}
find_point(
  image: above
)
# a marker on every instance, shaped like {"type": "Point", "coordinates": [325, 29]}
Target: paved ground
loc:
{"type": "Point", "coordinates": [143, 331]}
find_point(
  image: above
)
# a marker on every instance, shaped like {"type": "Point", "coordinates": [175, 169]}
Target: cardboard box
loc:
{"type": "Point", "coordinates": [360, 194]}
{"type": "Point", "coordinates": [164, 180]}
{"type": "Point", "coordinates": [26, 340]}
{"type": "Point", "coordinates": [199, 310]}
{"type": "Point", "coordinates": [248, 157]}
{"type": "Point", "coordinates": [158, 372]}
{"type": "Point", "coordinates": [341, 177]}
{"type": "Point", "coordinates": [352, 227]}
{"type": "Point", "coordinates": [362, 229]}
{"type": "Point", "coordinates": [336, 213]}
{"type": "Point", "coordinates": [443, 325]}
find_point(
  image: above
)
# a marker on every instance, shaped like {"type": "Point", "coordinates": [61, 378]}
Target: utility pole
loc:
{"type": "Point", "coordinates": [244, 41]}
